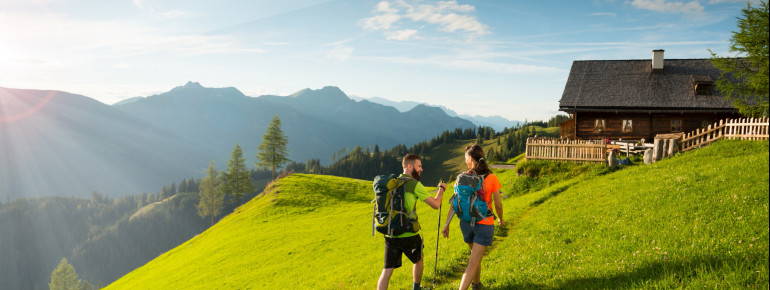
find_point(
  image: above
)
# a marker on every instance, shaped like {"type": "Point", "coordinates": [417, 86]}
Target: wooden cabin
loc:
{"type": "Point", "coordinates": [635, 99]}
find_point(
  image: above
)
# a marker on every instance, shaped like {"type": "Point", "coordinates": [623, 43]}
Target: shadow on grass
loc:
{"type": "Point", "coordinates": [554, 192]}
{"type": "Point", "coordinates": [679, 274]}
{"type": "Point", "coordinates": [457, 266]}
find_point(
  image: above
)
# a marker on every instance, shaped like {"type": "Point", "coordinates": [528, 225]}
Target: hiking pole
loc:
{"type": "Point", "coordinates": [438, 233]}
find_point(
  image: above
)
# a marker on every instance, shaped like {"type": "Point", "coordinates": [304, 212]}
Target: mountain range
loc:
{"type": "Point", "coordinates": [495, 122]}
{"type": "Point", "coordinates": [57, 143]}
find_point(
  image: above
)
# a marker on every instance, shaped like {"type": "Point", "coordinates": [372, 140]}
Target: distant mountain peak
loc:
{"type": "Point", "coordinates": [300, 92]}
{"type": "Point", "coordinates": [128, 101]}
{"type": "Point", "coordinates": [195, 89]}
{"type": "Point", "coordinates": [425, 109]}
{"type": "Point", "coordinates": [191, 84]}
{"type": "Point", "coordinates": [327, 93]}
{"type": "Point", "coordinates": [332, 89]}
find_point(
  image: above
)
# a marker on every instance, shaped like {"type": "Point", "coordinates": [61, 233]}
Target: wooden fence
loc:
{"type": "Point", "coordinates": [743, 129]}
{"type": "Point", "coordinates": [566, 150]}
{"type": "Point", "coordinates": [596, 150]}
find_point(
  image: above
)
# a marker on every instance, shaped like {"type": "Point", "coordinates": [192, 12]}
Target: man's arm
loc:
{"type": "Point", "coordinates": [435, 201]}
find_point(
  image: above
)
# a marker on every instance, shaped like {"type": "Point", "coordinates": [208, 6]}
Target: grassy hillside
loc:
{"type": "Point", "coordinates": [699, 219]}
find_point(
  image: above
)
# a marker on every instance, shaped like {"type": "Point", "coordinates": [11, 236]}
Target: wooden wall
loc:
{"type": "Point", "coordinates": [645, 125]}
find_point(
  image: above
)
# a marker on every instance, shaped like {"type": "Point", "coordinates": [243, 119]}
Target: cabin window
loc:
{"type": "Point", "coordinates": [599, 125]}
{"type": "Point", "coordinates": [704, 89]}
{"type": "Point", "coordinates": [676, 125]}
{"type": "Point", "coordinates": [628, 126]}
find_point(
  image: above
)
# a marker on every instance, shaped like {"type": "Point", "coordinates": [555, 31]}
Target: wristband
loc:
{"type": "Point", "coordinates": [442, 187]}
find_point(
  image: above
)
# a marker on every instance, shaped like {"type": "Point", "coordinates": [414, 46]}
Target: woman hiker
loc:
{"type": "Point", "coordinates": [479, 236]}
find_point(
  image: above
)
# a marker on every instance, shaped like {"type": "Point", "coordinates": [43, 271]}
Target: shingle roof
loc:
{"type": "Point", "coordinates": [631, 84]}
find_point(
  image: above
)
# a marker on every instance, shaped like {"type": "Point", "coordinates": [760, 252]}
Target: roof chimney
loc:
{"type": "Point", "coordinates": [657, 60]}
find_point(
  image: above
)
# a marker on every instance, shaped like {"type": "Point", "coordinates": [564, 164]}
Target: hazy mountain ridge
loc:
{"type": "Point", "coordinates": [495, 122]}
{"type": "Point", "coordinates": [317, 122]}
{"type": "Point", "coordinates": [74, 145]}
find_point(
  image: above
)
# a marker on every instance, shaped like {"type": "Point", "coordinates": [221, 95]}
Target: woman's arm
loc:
{"type": "Point", "coordinates": [498, 207]}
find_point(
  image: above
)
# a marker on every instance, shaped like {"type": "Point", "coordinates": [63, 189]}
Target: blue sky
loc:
{"type": "Point", "coordinates": [506, 58]}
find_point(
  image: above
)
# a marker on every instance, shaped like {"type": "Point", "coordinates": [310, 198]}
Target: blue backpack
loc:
{"type": "Point", "coordinates": [468, 202]}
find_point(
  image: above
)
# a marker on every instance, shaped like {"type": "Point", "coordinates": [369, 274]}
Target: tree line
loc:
{"type": "Point", "coordinates": [363, 163]}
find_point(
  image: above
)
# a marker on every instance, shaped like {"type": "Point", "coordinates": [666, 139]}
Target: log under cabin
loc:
{"type": "Point", "coordinates": [635, 99]}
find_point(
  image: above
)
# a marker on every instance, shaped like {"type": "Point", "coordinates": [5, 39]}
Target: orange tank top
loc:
{"type": "Point", "coordinates": [491, 184]}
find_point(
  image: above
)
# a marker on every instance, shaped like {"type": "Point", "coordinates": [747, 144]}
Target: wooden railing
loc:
{"type": "Point", "coordinates": [743, 129]}
{"type": "Point", "coordinates": [566, 150]}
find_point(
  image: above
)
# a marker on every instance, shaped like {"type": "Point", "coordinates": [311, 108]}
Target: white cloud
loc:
{"type": "Point", "coordinates": [122, 65]}
{"type": "Point", "coordinates": [604, 14]}
{"type": "Point", "coordinates": [155, 7]}
{"type": "Point", "coordinates": [404, 35]}
{"type": "Point", "coordinates": [149, 5]}
{"type": "Point", "coordinates": [381, 22]}
{"type": "Point", "coordinates": [384, 6]}
{"type": "Point", "coordinates": [448, 16]}
{"type": "Point", "coordinates": [692, 7]}
{"type": "Point", "coordinates": [443, 14]}
{"type": "Point", "coordinates": [753, 2]}
{"type": "Point", "coordinates": [471, 64]}
{"type": "Point", "coordinates": [511, 68]}
{"type": "Point", "coordinates": [65, 43]}
{"type": "Point", "coordinates": [340, 53]}
{"type": "Point", "coordinates": [178, 13]}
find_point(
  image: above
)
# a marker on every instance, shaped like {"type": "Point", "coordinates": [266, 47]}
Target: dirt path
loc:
{"type": "Point", "coordinates": [502, 166]}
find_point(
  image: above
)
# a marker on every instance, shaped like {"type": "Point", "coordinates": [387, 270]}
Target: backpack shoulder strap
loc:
{"type": "Point", "coordinates": [409, 186]}
{"type": "Point", "coordinates": [411, 183]}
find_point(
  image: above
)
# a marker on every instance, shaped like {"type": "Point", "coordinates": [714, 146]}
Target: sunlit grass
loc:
{"type": "Point", "coordinates": [697, 220]}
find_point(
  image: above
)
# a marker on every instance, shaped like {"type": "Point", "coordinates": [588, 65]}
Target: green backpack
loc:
{"type": "Point", "coordinates": [390, 215]}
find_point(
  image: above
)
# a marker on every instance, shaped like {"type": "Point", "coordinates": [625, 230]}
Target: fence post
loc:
{"type": "Point", "coordinates": [721, 128]}
{"type": "Point", "coordinates": [656, 151]}
{"type": "Point", "coordinates": [672, 147]}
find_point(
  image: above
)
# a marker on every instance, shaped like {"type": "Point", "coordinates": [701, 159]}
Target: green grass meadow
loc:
{"type": "Point", "coordinates": [696, 220]}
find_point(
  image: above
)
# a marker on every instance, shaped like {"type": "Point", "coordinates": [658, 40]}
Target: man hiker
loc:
{"type": "Point", "coordinates": [409, 243]}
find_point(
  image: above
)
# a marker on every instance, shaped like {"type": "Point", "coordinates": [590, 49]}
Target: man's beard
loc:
{"type": "Point", "coordinates": [415, 174]}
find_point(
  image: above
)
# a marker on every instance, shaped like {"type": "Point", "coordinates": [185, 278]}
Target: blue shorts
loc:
{"type": "Point", "coordinates": [480, 234]}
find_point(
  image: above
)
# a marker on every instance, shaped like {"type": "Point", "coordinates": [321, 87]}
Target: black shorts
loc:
{"type": "Point", "coordinates": [394, 247]}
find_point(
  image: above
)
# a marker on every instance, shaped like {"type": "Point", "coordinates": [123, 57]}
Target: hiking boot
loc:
{"type": "Point", "coordinates": [476, 286]}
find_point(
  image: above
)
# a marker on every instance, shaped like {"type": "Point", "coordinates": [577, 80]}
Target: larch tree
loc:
{"type": "Point", "coordinates": [211, 199]}
{"type": "Point", "coordinates": [272, 152]}
{"type": "Point", "coordinates": [237, 180]}
{"type": "Point", "coordinates": [64, 277]}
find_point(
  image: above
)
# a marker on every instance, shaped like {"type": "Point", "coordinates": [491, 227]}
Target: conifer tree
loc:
{"type": "Point", "coordinates": [744, 80]}
{"type": "Point", "coordinates": [272, 152]}
{"type": "Point", "coordinates": [86, 286]}
{"type": "Point", "coordinates": [237, 181]}
{"type": "Point", "coordinates": [211, 200]}
{"type": "Point", "coordinates": [64, 277]}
